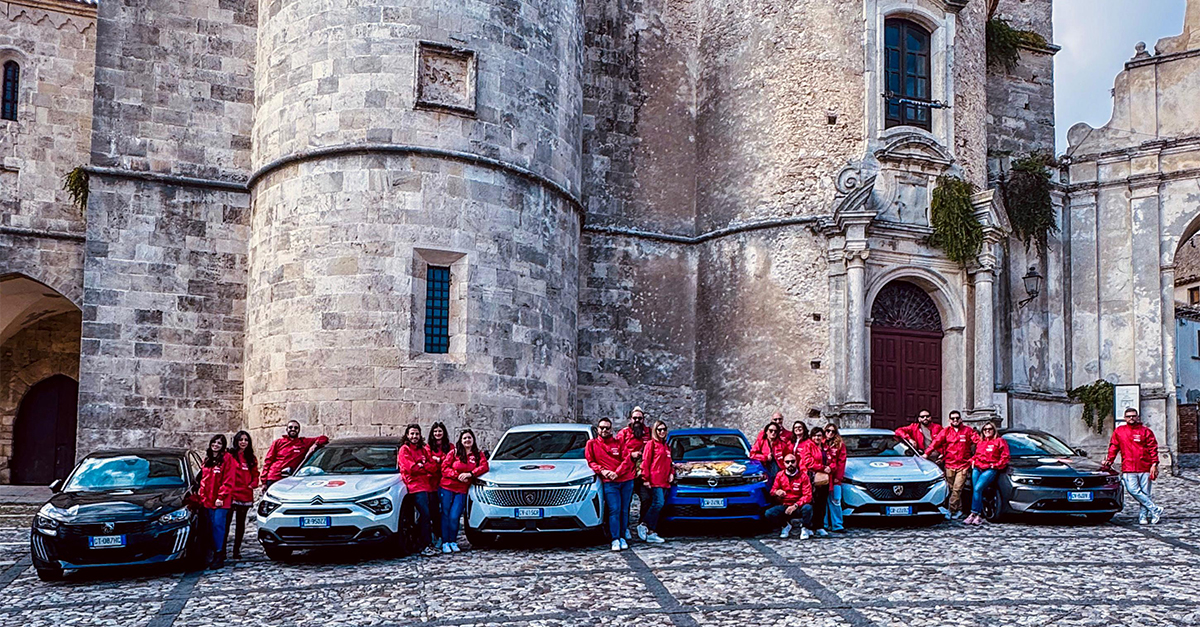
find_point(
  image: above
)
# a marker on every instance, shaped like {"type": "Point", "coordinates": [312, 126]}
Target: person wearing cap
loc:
{"type": "Point", "coordinates": [633, 438]}
{"type": "Point", "coordinates": [955, 444]}
{"type": "Point", "coordinates": [920, 433]}
{"type": "Point", "coordinates": [1138, 448]}
{"type": "Point", "coordinates": [793, 490]}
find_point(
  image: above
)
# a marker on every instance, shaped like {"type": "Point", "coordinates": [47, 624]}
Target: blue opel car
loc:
{"type": "Point", "coordinates": [715, 479]}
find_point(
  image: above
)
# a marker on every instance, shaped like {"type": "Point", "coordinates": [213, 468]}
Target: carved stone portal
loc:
{"type": "Point", "coordinates": [445, 78]}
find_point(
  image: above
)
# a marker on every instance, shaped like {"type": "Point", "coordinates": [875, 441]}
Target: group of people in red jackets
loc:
{"type": "Point", "coordinates": [634, 459]}
{"type": "Point", "coordinates": [438, 476]}
{"type": "Point", "coordinates": [808, 467]}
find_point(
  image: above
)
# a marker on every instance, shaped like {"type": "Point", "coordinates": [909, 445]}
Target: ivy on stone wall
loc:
{"type": "Point", "coordinates": [1026, 190]}
{"type": "Point", "coordinates": [956, 230]}
{"type": "Point", "coordinates": [76, 185]}
{"type": "Point", "coordinates": [1097, 399]}
{"type": "Point", "coordinates": [1004, 43]}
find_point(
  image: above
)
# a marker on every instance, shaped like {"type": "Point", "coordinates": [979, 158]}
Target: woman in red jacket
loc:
{"type": "Point", "coordinates": [216, 496]}
{"type": "Point", "coordinates": [245, 479]}
{"type": "Point", "coordinates": [991, 458]}
{"type": "Point", "coordinates": [440, 447]}
{"type": "Point", "coordinates": [835, 454]}
{"type": "Point", "coordinates": [659, 474]}
{"type": "Point", "coordinates": [420, 475]}
{"type": "Point", "coordinates": [770, 449]}
{"type": "Point", "coordinates": [462, 465]}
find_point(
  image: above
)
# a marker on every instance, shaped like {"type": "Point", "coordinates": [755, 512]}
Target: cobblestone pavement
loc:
{"type": "Point", "coordinates": [946, 574]}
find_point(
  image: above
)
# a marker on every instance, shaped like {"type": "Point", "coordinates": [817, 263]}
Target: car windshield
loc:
{"type": "Point", "coordinates": [870, 445]}
{"type": "Point", "coordinates": [359, 459]}
{"type": "Point", "coordinates": [698, 447]}
{"type": "Point", "coordinates": [1036, 445]}
{"type": "Point", "coordinates": [127, 472]}
{"type": "Point", "coordinates": [524, 445]}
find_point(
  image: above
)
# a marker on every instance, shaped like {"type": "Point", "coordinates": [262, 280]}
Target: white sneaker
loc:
{"type": "Point", "coordinates": [642, 532]}
{"type": "Point", "coordinates": [446, 548]}
{"type": "Point", "coordinates": [624, 544]}
{"type": "Point", "coordinates": [956, 516]}
{"type": "Point", "coordinates": [821, 532]}
{"type": "Point", "coordinates": [454, 547]}
{"type": "Point", "coordinates": [616, 545]}
{"type": "Point", "coordinates": [1156, 515]}
{"type": "Point", "coordinates": [628, 536]}
{"type": "Point", "coordinates": [805, 533]}
{"type": "Point", "coordinates": [787, 530]}
{"type": "Point", "coordinates": [653, 538]}
{"type": "Point", "coordinates": [1144, 519]}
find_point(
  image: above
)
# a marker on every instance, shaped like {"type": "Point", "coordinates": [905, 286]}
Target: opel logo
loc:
{"type": "Point", "coordinates": [712, 482]}
{"type": "Point", "coordinates": [108, 527]}
{"type": "Point", "coordinates": [1079, 482]}
{"type": "Point", "coordinates": [898, 490]}
{"type": "Point", "coordinates": [316, 500]}
{"type": "Point", "coordinates": [530, 497]}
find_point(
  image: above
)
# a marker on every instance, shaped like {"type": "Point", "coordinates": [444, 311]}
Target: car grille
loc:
{"type": "Point", "coordinates": [695, 511]}
{"type": "Point", "coordinates": [315, 511]}
{"type": "Point", "coordinates": [39, 548]}
{"type": "Point", "coordinates": [908, 491]}
{"type": "Point", "coordinates": [97, 529]}
{"type": "Point", "coordinates": [713, 495]}
{"type": "Point", "coordinates": [540, 497]}
{"type": "Point", "coordinates": [721, 482]}
{"type": "Point", "coordinates": [557, 523]}
{"type": "Point", "coordinates": [296, 534]}
{"type": "Point", "coordinates": [1068, 483]}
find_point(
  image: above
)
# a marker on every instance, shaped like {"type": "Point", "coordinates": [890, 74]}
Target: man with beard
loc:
{"type": "Point", "coordinates": [1138, 448]}
{"type": "Point", "coordinates": [921, 433]}
{"type": "Point", "coordinates": [633, 439]}
{"type": "Point", "coordinates": [287, 452]}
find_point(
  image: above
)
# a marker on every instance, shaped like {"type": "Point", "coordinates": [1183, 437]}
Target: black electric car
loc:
{"type": "Point", "coordinates": [119, 508]}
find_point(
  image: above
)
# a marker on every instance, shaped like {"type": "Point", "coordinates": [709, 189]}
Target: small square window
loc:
{"type": "Point", "coordinates": [1194, 295]}
{"type": "Point", "coordinates": [437, 310]}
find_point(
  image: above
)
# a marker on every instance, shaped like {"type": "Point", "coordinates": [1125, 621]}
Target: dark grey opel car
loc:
{"type": "Point", "coordinates": [1047, 477]}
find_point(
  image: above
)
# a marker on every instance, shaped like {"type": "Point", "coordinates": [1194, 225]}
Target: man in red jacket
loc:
{"type": "Point", "coordinates": [287, 452]}
{"type": "Point", "coordinates": [1136, 444]}
{"type": "Point", "coordinates": [777, 420]}
{"type": "Point", "coordinates": [794, 492]}
{"type": "Point", "coordinates": [610, 460]}
{"type": "Point", "coordinates": [920, 433]}
{"type": "Point", "coordinates": [956, 444]}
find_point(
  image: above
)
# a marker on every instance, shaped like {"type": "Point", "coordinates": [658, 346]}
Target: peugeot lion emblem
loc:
{"type": "Point", "coordinates": [898, 489]}
{"type": "Point", "coordinates": [712, 482]}
{"type": "Point", "coordinates": [108, 527]}
{"type": "Point", "coordinates": [530, 498]}
{"type": "Point", "coordinates": [1079, 482]}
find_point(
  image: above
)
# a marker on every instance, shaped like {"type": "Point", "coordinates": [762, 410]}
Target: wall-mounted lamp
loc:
{"type": "Point", "coordinates": [1033, 286]}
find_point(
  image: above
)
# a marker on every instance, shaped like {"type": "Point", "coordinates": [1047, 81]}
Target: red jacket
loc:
{"type": "Point", "coordinates": [991, 453]}
{"type": "Point", "coordinates": [417, 468]}
{"type": "Point", "coordinates": [784, 434]}
{"type": "Point", "coordinates": [216, 482]}
{"type": "Point", "coordinates": [809, 455]}
{"type": "Point", "coordinates": [836, 458]}
{"type": "Point", "coordinates": [439, 456]}
{"type": "Point", "coordinates": [912, 433]}
{"type": "Point", "coordinates": [764, 450]}
{"type": "Point", "coordinates": [452, 466]}
{"type": "Point", "coordinates": [609, 454]}
{"type": "Point", "coordinates": [287, 453]}
{"type": "Point", "coordinates": [245, 479]}
{"type": "Point", "coordinates": [656, 464]}
{"type": "Point", "coordinates": [797, 488]}
{"type": "Point", "coordinates": [1137, 446]}
{"type": "Point", "coordinates": [955, 446]}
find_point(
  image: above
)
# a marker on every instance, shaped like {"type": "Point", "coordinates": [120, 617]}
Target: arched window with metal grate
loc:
{"type": "Point", "coordinates": [12, 87]}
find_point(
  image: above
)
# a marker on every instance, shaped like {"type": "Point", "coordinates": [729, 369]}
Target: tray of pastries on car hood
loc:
{"type": "Point", "coordinates": [709, 469]}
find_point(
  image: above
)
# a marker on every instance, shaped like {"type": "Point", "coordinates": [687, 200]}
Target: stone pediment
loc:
{"type": "Point", "coordinates": [915, 149]}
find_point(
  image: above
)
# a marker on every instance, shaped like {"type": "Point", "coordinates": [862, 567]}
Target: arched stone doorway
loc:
{"type": "Point", "coordinates": [44, 432]}
{"type": "Point", "coordinates": [906, 355]}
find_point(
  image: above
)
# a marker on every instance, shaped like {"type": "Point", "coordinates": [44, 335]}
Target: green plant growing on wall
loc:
{"type": "Point", "coordinates": [1097, 399]}
{"type": "Point", "coordinates": [76, 185]}
{"type": "Point", "coordinates": [1026, 190]}
{"type": "Point", "coordinates": [956, 230]}
{"type": "Point", "coordinates": [1004, 43]}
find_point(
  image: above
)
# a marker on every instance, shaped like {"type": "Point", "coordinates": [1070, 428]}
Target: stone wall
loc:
{"type": "Point", "coordinates": [43, 349]}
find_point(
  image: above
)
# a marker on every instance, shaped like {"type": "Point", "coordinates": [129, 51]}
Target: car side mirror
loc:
{"type": "Point", "coordinates": [286, 472]}
{"type": "Point", "coordinates": [56, 485]}
{"type": "Point", "coordinates": [1080, 452]}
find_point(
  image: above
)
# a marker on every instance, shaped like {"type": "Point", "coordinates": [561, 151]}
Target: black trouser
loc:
{"type": "Point", "coordinates": [820, 501]}
{"type": "Point", "coordinates": [238, 518]}
{"type": "Point", "coordinates": [643, 493]}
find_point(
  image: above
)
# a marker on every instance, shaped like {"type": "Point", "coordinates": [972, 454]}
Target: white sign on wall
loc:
{"type": "Point", "coordinates": [1124, 397]}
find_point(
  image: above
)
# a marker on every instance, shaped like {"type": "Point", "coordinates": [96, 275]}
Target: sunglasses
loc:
{"type": "Point", "coordinates": [660, 428]}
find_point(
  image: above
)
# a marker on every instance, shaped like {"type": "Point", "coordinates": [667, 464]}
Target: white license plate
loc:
{"type": "Point", "coordinates": [106, 542]}
{"type": "Point", "coordinates": [314, 522]}
{"type": "Point", "coordinates": [712, 503]}
{"type": "Point", "coordinates": [898, 510]}
{"type": "Point", "coordinates": [1079, 497]}
{"type": "Point", "coordinates": [529, 512]}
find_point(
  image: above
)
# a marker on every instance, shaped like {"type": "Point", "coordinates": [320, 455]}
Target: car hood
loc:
{"type": "Point", "coordinates": [118, 505]}
{"type": "Point", "coordinates": [1057, 466]}
{"type": "Point", "coordinates": [537, 472]}
{"type": "Point", "coordinates": [724, 468]}
{"type": "Point", "coordinates": [330, 487]}
{"type": "Point", "coordinates": [872, 469]}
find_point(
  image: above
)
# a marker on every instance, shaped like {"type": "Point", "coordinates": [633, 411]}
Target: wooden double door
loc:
{"type": "Point", "coordinates": [906, 356]}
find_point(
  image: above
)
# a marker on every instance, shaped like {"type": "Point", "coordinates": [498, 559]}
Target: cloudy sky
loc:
{"type": "Point", "coordinates": [1097, 38]}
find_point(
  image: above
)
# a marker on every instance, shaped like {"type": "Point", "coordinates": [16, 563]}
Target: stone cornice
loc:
{"type": "Point", "coordinates": [70, 7]}
{"type": "Point", "coordinates": [1161, 58]}
{"type": "Point", "coordinates": [734, 229]}
{"type": "Point", "coordinates": [1153, 146]}
{"type": "Point", "coordinates": [20, 232]}
{"type": "Point", "coordinates": [1136, 180]}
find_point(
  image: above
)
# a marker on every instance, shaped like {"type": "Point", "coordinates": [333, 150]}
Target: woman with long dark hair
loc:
{"type": "Point", "coordinates": [245, 479]}
{"type": "Point", "coordinates": [770, 449]}
{"type": "Point", "coordinates": [659, 474]}
{"type": "Point", "coordinates": [835, 449]}
{"type": "Point", "coordinates": [440, 447]}
{"type": "Point", "coordinates": [460, 467]}
{"type": "Point", "coordinates": [420, 476]}
{"type": "Point", "coordinates": [818, 474]}
{"type": "Point", "coordinates": [216, 496]}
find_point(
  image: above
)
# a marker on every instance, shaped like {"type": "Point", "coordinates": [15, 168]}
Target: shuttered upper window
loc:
{"type": "Point", "coordinates": [907, 68]}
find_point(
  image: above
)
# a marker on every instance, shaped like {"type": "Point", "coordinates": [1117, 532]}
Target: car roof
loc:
{"type": "Point", "coordinates": [552, 426]}
{"type": "Point", "coordinates": [366, 440]}
{"type": "Point", "coordinates": [705, 431]}
{"type": "Point", "coordinates": [144, 450]}
{"type": "Point", "coordinates": [845, 432]}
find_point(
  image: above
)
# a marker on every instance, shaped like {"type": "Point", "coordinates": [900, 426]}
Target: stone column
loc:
{"type": "Point", "coordinates": [984, 375]}
{"type": "Point", "coordinates": [856, 315]}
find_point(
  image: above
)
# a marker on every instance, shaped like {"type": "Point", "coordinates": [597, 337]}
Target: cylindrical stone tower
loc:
{"type": "Point", "coordinates": [399, 146]}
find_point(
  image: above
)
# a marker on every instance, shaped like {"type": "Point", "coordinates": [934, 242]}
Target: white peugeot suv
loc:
{"type": "Point", "coordinates": [538, 481]}
{"type": "Point", "coordinates": [347, 493]}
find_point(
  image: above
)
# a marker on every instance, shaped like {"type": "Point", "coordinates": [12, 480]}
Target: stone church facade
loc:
{"type": "Point", "coordinates": [364, 215]}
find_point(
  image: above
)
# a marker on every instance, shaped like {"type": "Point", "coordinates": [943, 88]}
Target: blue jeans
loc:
{"type": "Point", "coordinates": [981, 480]}
{"type": "Point", "coordinates": [421, 502]}
{"type": "Point", "coordinates": [658, 498]}
{"type": "Point", "coordinates": [833, 509]}
{"type": "Point", "coordinates": [217, 516]}
{"type": "Point", "coordinates": [1137, 485]}
{"type": "Point", "coordinates": [453, 505]}
{"type": "Point", "coordinates": [617, 497]}
{"type": "Point", "coordinates": [778, 513]}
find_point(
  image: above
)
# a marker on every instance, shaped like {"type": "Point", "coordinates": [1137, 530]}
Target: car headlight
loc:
{"type": "Point", "coordinates": [584, 481]}
{"type": "Point", "coordinates": [483, 483]}
{"type": "Point", "coordinates": [755, 478]}
{"type": "Point", "coordinates": [1112, 480]}
{"type": "Point", "coordinates": [852, 482]}
{"type": "Point", "coordinates": [46, 525]}
{"type": "Point", "coordinates": [378, 505]}
{"type": "Point", "coordinates": [1025, 480]}
{"type": "Point", "coordinates": [265, 508]}
{"type": "Point", "coordinates": [176, 516]}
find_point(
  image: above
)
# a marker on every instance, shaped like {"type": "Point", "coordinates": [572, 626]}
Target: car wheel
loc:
{"type": "Point", "coordinates": [50, 574]}
{"type": "Point", "coordinates": [407, 526]}
{"type": "Point", "coordinates": [277, 553]}
{"type": "Point", "coordinates": [1099, 519]}
{"type": "Point", "coordinates": [994, 508]}
{"type": "Point", "coordinates": [480, 539]}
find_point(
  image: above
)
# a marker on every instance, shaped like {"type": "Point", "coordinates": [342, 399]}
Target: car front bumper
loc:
{"type": "Point", "coordinates": [857, 501]}
{"type": "Point", "coordinates": [70, 551]}
{"type": "Point", "coordinates": [1044, 500]}
{"type": "Point", "coordinates": [350, 524]}
{"type": "Point", "coordinates": [508, 509]}
{"type": "Point", "coordinates": [747, 502]}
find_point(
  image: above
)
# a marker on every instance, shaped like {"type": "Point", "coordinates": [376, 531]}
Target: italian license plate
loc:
{"type": "Point", "coordinates": [898, 510]}
{"type": "Point", "coordinates": [529, 512]}
{"type": "Point", "coordinates": [314, 522]}
{"type": "Point", "coordinates": [106, 542]}
{"type": "Point", "coordinates": [712, 503]}
{"type": "Point", "coordinates": [1079, 497]}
